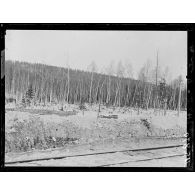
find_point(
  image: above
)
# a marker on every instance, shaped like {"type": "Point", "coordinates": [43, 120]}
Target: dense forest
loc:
{"type": "Point", "coordinates": [49, 84]}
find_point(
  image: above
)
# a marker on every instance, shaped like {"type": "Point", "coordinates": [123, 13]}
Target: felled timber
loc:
{"type": "Point", "coordinates": [109, 116]}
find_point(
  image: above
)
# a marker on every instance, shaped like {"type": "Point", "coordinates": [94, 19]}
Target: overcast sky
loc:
{"type": "Point", "coordinates": [83, 47]}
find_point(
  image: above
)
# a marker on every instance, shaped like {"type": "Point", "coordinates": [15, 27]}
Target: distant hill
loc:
{"type": "Point", "coordinates": [51, 84]}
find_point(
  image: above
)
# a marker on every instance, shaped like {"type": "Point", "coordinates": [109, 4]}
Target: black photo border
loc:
{"type": "Point", "coordinates": [190, 28]}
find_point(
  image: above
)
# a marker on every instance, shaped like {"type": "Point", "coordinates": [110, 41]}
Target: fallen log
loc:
{"type": "Point", "coordinates": [109, 116]}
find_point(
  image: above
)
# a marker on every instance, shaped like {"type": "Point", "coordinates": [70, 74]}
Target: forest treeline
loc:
{"type": "Point", "coordinates": [62, 85]}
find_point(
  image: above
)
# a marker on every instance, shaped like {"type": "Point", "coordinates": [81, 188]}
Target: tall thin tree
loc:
{"type": "Point", "coordinates": [68, 80]}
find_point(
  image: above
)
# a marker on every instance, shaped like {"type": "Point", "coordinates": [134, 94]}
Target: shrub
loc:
{"type": "Point", "coordinates": [34, 134]}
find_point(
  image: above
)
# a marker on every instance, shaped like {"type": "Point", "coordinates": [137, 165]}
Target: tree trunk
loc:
{"type": "Point", "coordinates": [165, 106]}
{"type": "Point", "coordinates": [90, 92]}
{"type": "Point", "coordinates": [108, 91]}
{"type": "Point", "coordinates": [115, 100]}
{"type": "Point", "coordinates": [179, 98]}
{"type": "Point", "coordinates": [97, 90]}
{"type": "Point", "coordinates": [148, 99]}
{"type": "Point", "coordinates": [134, 94]}
{"type": "Point", "coordinates": [68, 86]}
{"type": "Point", "coordinates": [81, 88]}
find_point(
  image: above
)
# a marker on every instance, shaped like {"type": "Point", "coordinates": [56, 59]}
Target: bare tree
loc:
{"type": "Point", "coordinates": [50, 84]}
{"type": "Point", "coordinates": [68, 80]}
{"type": "Point", "coordinates": [156, 69]}
{"type": "Point", "coordinates": [179, 98]}
{"type": "Point", "coordinates": [129, 75]}
{"type": "Point", "coordinates": [51, 89]}
{"type": "Point", "coordinates": [129, 70]}
{"type": "Point", "coordinates": [144, 75]}
{"type": "Point", "coordinates": [120, 74]}
{"type": "Point", "coordinates": [109, 71]}
{"type": "Point", "coordinates": [156, 89]}
{"type": "Point", "coordinates": [100, 97]}
{"type": "Point", "coordinates": [166, 74]}
{"type": "Point", "coordinates": [92, 67]}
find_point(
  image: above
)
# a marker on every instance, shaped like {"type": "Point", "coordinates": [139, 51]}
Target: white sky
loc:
{"type": "Point", "coordinates": [83, 47]}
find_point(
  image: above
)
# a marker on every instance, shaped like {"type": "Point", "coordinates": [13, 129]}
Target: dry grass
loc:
{"type": "Point", "coordinates": [34, 134]}
{"type": "Point", "coordinates": [43, 112]}
{"type": "Point", "coordinates": [30, 129]}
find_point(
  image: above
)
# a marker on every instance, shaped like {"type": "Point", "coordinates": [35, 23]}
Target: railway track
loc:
{"type": "Point", "coordinates": [137, 161]}
{"type": "Point", "coordinates": [129, 153]}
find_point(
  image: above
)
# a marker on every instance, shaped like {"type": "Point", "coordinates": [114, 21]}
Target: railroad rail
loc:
{"type": "Point", "coordinates": [148, 159]}
{"type": "Point", "coordinates": [103, 152]}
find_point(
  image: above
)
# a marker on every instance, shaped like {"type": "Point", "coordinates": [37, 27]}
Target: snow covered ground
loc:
{"type": "Point", "coordinates": [88, 128]}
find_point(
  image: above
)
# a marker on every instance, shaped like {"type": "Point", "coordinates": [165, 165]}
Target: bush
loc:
{"type": "Point", "coordinates": [82, 107]}
{"type": "Point", "coordinates": [34, 134]}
